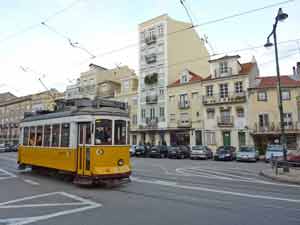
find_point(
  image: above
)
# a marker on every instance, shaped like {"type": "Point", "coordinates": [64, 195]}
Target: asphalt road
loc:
{"type": "Point", "coordinates": [162, 191]}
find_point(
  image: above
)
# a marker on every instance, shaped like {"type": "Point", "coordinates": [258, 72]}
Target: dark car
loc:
{"type": "Point", "coordinates": [178, 152]}
{"type": "Point", "coordinates": [201, 152]}
{"type": "Point", "coordinates": [14, 148]}
{"type": "Point", "coordinates": [225, 153]}
{"type": "Point", "coordinates": [159, 151]}
{"type": "Point", "coordinates": [142, 150]}
{"type": "Point", "coordinates": [7, 148]}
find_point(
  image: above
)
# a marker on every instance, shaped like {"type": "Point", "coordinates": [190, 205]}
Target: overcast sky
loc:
{"type": "Point", "coordinates": [101, 26]}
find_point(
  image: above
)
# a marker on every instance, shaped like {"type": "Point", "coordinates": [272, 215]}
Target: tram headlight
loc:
{"type": "Point", "coordinates": [120, 162]}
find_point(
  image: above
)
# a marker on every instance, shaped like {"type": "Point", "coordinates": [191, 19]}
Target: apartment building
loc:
{"type": "Point", "coordinates": [264, 114]}
{"type": "Point", "coordinates": [166, 48]}
{"type": "Point", "coordinates": [12, 112]}
{"type": "Point", "coordinates": [225, 101]}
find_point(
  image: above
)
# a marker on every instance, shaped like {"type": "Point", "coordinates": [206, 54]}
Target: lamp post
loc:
{"type": "Point", "coordinates": [280, 17]}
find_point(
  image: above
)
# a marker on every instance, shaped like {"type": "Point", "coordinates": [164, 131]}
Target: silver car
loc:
{"type": "Point", "coordinates": [201, 152]}
{"type": "Point", "coordinates": [274, 152]}
{"type": "Point", "coordinates": [247, 153]}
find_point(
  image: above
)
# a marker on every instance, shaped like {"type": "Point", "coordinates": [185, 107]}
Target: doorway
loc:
{"type": "Point", "coordinates": [226, 138]}
{"type": "Point", "coordinates": [84, 149]}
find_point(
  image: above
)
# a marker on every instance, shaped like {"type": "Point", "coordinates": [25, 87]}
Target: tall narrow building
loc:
{"type": "Point", "coordinates": [167, 48]}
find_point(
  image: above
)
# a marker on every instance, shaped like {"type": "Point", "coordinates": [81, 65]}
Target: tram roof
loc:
{"type": "Point", "coordinates": [103, 111]}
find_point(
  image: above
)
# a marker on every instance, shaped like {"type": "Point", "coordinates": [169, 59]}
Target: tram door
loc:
{"type": "Point", "coordinates": [84, 149]}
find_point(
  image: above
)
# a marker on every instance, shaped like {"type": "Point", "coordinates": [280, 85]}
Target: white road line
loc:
{"type": "Point", "coordinates": [41, 205]}
{"type": "Point", "coordinates": [172, 184]}
{"type": "Point", "coordinates": [9, 159]}
{"type": "Point", "coordinates": [85, 203]}
{"type": "Point", "coordinates": [7, 175]}
{"type": "Point", "coordinates": [31, 182]}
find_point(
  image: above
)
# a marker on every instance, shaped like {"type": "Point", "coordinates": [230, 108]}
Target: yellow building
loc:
{"type": "Point", "coordinates": [264, 113]}
{"type": "Point", "coordinates": [166, 48]}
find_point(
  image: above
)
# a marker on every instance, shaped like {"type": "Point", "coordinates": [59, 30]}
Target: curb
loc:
{"type": "Point", "coordinates": [278, 178]}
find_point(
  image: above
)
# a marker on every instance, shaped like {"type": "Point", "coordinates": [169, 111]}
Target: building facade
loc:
{"type": "Point", "coordinates": [264, 113]}
{"type": "Point", "coordinates": [166, 48]}
{"type": "Point", "coordinates": [12, 112]}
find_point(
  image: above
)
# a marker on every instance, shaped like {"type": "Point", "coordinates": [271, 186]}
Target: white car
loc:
{"type": "Point", "coordinates": [274, 151]}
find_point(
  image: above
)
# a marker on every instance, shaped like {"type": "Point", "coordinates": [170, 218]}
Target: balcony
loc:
{"type": "Point", "coordinates": [229, 99]}
{"type": "Point", "coordinates": [225, 121]}
{"type": "Point", "coordinates": [150, 58]}
{"type": "Point", "coordinates": [151, 79]}
{"type": "Point", "coordinates": [152, 122]}
{"type": "Point", "coordinates": [151, 99]}
{"type": "Point", "coordinates": [274, 128]}
{"type": "Point", "coordinates": [150, 40]}
{"type": "Point", "coordinates": [186, 123]}
{"type": "Point", "coordinates": [184, 104]}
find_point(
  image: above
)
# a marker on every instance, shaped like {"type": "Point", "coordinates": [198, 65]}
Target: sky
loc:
{"type": "Point", "coordinates": [108, 29]}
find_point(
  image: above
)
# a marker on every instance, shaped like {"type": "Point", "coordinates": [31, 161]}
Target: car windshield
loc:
{"type": "Point", "coordinates": [275, 148]}
{"type": "Point", "coordinates": [247, 149]}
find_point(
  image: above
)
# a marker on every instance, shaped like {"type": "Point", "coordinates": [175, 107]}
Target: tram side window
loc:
{"type": "Point", "coordinates": [39, 136]}
{"type": "Point", "coordinates": [65, 135]}
{"type": "Point", "coordinates": [47, 132]}
{"type": "Point", "coordinates": [120, 132]}
{"type": "Point", "coordinates": [103, 132]}
{"type": "Point", "coordinates": [55, 135]}
{"type": "Point", "coordinates": [32, 136]}
{"type": "Point", "coordinates": [25, 135]}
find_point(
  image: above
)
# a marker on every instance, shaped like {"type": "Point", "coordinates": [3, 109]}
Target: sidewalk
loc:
{"type": "Point", "coordinates": [293, 177]}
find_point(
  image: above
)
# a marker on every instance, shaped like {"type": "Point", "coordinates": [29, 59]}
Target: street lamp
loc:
{"type": "Point", "coordinates": [281, 16]}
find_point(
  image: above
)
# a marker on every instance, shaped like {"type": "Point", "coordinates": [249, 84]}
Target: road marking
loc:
{"type": "Point", "coordinates": [31, 182]}
{"type": "Point", "coordinates": [7, 158]}
{"type": "Point", "coordinates": [7, 175]}
{"type": "Point", "coordinates": [197, 188]}
{"type": "Point", "coordinates": [84, 203]}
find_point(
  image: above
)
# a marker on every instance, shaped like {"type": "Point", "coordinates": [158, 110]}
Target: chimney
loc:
{"type": "Point", "coordinates": [294, 71]}
{"type": "Point", "coordinates": [298, 69]}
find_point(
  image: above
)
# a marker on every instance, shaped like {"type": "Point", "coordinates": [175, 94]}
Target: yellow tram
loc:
{"type": "Point", "coordinates": [82, 138]}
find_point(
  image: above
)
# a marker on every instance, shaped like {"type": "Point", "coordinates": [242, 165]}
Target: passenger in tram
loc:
{"type": "Point", "coordinates": [102, 135]}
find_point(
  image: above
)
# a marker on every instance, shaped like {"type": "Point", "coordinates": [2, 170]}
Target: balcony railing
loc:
{"type": "Point", "coordinates": [230, 98]}
{"type": "Point", "coordinates": [152, 122]}
{"type": "Point", "coordinates": [184, 104]}
{"type": "Point", "coordinates": [150, 58]}
{"type": "Point", "coordinates": [224, 72]}
{"type": "Point", "coordinates": [184, 123]}
{"type": "Point", "coordinates": [150, 40]}
{"type": "Point", "coordinates": [274, 127]}
{"type": "Point", "coordinates": [225, 121]}
{"type": "Point", "coordinates": [151, 99]}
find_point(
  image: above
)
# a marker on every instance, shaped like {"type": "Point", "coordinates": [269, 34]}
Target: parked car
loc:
{"type": "Point", "coordinates": [225, 153]}
{"type": "Point", "coordinates": [159, 151]}
{"type": "Point", "coordinates": [2, 147]}
{"type": "Point", "coordinates": [294, 158]}
{"type": "Point", "coordinates": [201, 152]}
{"type": "Point", "coordinates": [132, 150]}
{"type": "Point", "coordinates": [274, 152]}
{"type": "Point", "coordinates": [178, 152]}
{"type": "Point", "coordinates": [142, 150]}
{"type": "Point", "coordinates": [247, 153]}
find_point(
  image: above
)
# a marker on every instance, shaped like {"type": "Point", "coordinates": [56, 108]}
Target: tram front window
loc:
{"type": "Point", "coordinates": [120, 132]}
{"type": "Point", "coordinates": [103, 132]}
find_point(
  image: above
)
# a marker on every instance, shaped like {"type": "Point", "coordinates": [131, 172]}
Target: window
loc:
{"type": "Point", "coordinates": [161, 112]}
{"type": "Point", "coordinates": [134, 140]}
{"type": "Point", "coordinates": [262, 96]}
{"type": "Point", "coordinates": [134, 100]}
{"type": "Point", "coordinates": [210, 137]}
{"type": "Point", "coordinates": [288, 120]}
{"type": "Point", "coordinates": [238, 87]}
{"type": "Point", "coordinates": [65, 135]}
{"type": "Point", "coordinates": [55, 135]}
{"type": "Point", "coordinates": [223, 67]}
{"type": "Point", "coordinates": [161, 91]}
{"type": "Point", "coordinates": [161, 30]}
{"type": "Point", "coordinates": [32, 136]}
{"type": "Point", "coordinates": [39, 136]}
{"type": "Point", "coordinates": [152, 113]}
{"type": "Point", "coordinates": [195, 95]}
{"type": "Point", "coordinates": [286, 95]}
{"type": "Point", "coordinates": [47, 133]}
{"type": "Point", "coordinates": [223, 90]}
{"type": "Point", "coordinates": [143, 113]}
{"type": "Point", "coordinates": [172, 117]}
{"type": "Point", "coordinates": [198, 137]}
{"type": "Point", "coordinates": [240, 112]}
{"type": "Point", "coordinates": [197, 114]}
{"type": "Point", "coordinates": [134, 119]}
{"type": "Point", "coordinates": [103, 132]}
{"type": "Point", "coordinates": [242, 138]}
{"type": "Point", "coordinates": [209, 90]}
{"type": "Point", "coordinates": [225, 116]}
{"type": "Point", "coordinates": [263, 120]}
{"type": "Point", "coordinates": [25, 135]}
{"type": "Point", "coordinates": [171, 98]}
{"type": "Point", "coordinates": [183, 101]}
{"type": "Point", "coordinates": [120, 132]}
{"type": "Point", "coordinates": [210, 113]}
{"type": "Point", "coordinates": [184, 79]}
{"type": "Point", "coordinates": [125, 85]}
